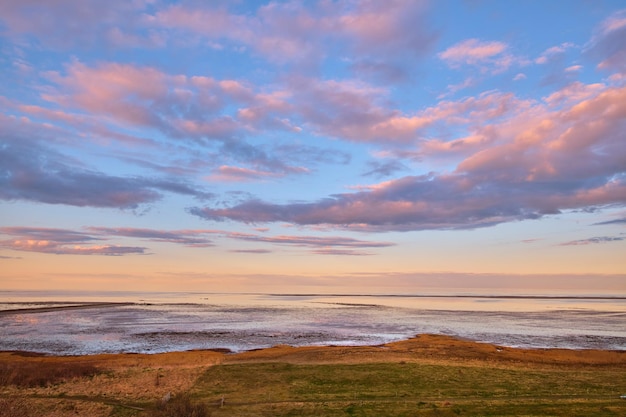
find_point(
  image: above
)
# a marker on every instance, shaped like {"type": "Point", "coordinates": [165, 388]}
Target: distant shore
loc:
{"type": "Point", "coordinates": [73, 306]}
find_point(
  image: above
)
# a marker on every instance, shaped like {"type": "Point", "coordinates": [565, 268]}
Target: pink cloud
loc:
{"type": "Point", "coordinates": [254, 251]}
{"type": "Point", "coordinates": [553, 52]}
{"type": "Point", "coordinates": [607, 44]}
{"type": "Point", "coordinates": [85, 23]}
{"type": "Point", "coordinates": [222, 109]}
{"type": "Point", "coordinates": [525, 160]}
{"type": "Point", "coordinates": [489, 56]}
{"type": "Point", "coordinates": [195, 107]}
{"type": "Point", "coordinates": [189, 238]}
{"type": "Point", "coordinates": [392, 25]}
{"type": "Point", "coordinates": [333, 245]}
{"type": "Point", "coordinates": [472, 51]}
{"type": "Point", "coordinates": [60, 242]}
{"type": "Point", "coordinates": [341, 252]}
{"type": "Point", "coordinates": [294, 32]}
{"type": "Point", "coordinates": [239, 174]}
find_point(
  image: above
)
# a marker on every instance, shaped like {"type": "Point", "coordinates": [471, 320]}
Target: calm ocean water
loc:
{"type": "Point", "coordinates": [161, 322]}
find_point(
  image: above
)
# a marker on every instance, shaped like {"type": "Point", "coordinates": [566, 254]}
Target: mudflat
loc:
{"type": "Point", "coordinates": [425, 375]}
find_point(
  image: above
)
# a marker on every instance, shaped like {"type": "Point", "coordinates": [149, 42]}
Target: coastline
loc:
{"type": "Point", "coordinates": [422, 347]}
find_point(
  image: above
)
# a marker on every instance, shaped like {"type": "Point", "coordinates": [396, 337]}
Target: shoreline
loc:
{"type": "Point", "coordinates": [421, 346]}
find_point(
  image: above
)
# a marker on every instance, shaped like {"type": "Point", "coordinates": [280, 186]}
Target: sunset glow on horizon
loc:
{"type": "Point", "coordinates": [324, 146]}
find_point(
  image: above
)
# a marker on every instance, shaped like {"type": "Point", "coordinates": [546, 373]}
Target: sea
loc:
{"type": "Point", "coordinates": [79, 323]}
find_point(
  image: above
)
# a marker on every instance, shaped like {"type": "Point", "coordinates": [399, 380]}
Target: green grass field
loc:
{"type": "Point", "coordinates": [395, 389]}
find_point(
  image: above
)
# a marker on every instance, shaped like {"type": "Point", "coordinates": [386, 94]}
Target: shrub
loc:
{"type": "Point", "coordinates": [181, 406]}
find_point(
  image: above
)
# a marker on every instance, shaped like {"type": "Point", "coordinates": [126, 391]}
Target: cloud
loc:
{"type": "Point", "coordinates": [352, 110]}
{"type": "Point", "coordinates": [608, 44]}
{"type": "Point", "coordinates": [594, 240]}
{"type": "Point", "coordinates": [380, 38]}
{"type": "Point", "coordinates": [189, 238]}
{"type": "Point", "coordinates": [529, 161]}
{"type": "Point", "coordinates": [178, 105]}
{"type": "Point", "coordinates": [60, 242]}
{"type": "Point", "coordinates": [221, 113]}
{"type": "Point", "coordinates": [341, 252]}
{"type": "Point", "coordinates": [89, 241]}
{"type": "Point", "coordinates": [554, 53]}
{"type": "Point", "coordinates": [189, 111]}
{"type": "Point", "coordinates": [238, 174]}
{"type": "Point", "coordinates": [384, 168]}
{"type": "Point", "coordinates": [311, 241]}
{"type": "Point", "coordinates": [64, 23]}
{"type": "Point", "coordinates": [333, 245]}
{"type": "Point", "coordinates": [488, 56]}
{"type": "Point", "coordinates": [254, 251]}
{"type": "Point", "coordinates": [519, 77]}
{"type": "Point", "coordinates": [35, 172]}
{"type": "Point", "coordinates": [616, 221]}
{"type": "Point", "coordinates": [555, 63]}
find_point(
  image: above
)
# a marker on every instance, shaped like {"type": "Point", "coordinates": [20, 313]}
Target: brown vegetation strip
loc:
{"type": "Point", "coordinates": [422, 348]}
{"type": "Point", "coordinates": [60, 308]}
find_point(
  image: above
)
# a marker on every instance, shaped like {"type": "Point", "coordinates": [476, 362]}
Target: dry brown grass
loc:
{"type": "Point", "coordinates": [40, 374]}
{"type": "Point", "coordinates": [181, 405]}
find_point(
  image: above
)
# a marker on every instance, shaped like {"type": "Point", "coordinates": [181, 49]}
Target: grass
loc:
{"type": "Point", "coordinates": [394, 389]}
{"type": "Point", "coordinates": [425, 376]}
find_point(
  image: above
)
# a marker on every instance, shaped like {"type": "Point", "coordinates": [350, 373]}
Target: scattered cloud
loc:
{"type": "Point", "coordinates": [535, 162]}
{"type": "Point", "coordinates": [239, 174]}
{"type": "Point", "coordinates": [608, 45]}
{"type": "Point", "coordinates": [593, 240]}
{"type": "Point", "coordinates": [60, 242]}
{"type": "Point", "coordinates": [254, 251]}
{"type": "Point", "coordinates": [85, 24]}
{"type": "Point", "coordinates": [554, 53]}
{"type": "Point", "coordinates": [341, 252]}
{"type": "Point", "coordinates": [71, 242]}
{"type": "Point", "coordinates": [520, 76]}
{"type": "Point", "coordinates": [35, 172]}
{"type": "Point", "coordinates": [531, 240]}
{"type": "Point", "coordinates": [294, 33]}
{"type": "Point", "coordinates": [488, 56]}
{"type": "Point", "coordinates": [189, 238]}
{"type": "Point", "coordinates": [311, 241]}
{"type": "Point", "coordinates": [573, 68]}
{"type": "Point", "coordinates": [608, 222]}
{"type": "Point", "coordinates": [386, 168]}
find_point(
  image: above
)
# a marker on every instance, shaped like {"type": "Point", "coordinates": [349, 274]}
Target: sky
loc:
{"type": "Point", "coordinates": [356, 146]}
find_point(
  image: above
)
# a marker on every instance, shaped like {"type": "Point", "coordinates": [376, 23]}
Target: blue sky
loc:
{"type": "Point", "coordinates": [321, 145]}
